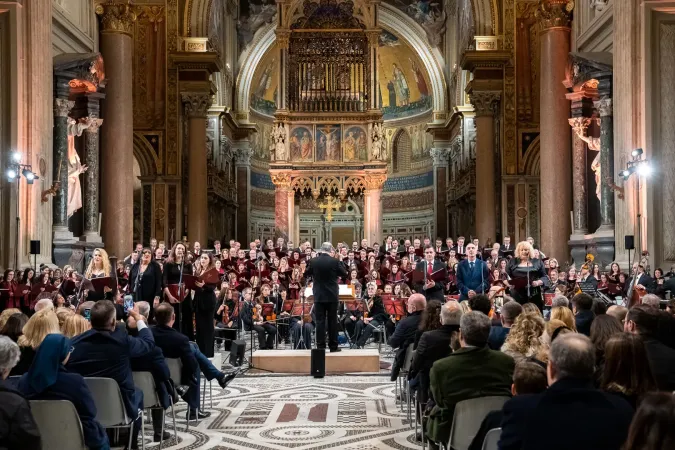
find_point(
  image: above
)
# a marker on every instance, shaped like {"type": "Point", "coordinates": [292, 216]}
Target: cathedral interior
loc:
{"type": "Point", "coordinates": [336, 120]}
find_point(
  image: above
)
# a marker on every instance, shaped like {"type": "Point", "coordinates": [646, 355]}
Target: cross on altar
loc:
{"type": "Point", "coordinates": [329, 205]}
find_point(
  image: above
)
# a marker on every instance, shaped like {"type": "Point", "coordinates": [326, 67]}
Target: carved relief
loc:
{"type": "Point", "coordinates": [281, 180]}
{"type": "Point", "coordinates": [196, 104]}
{"type": "Point", "coordinates": [484, 102]}
{"type": "Point", "coordinates": [375, 181]}
{"type": "Point", "coordinates": [62, 107]}
{"type": "Point", "coordinates": [116, 17]}
{"type": "Point", "coordinates": [555, 13]}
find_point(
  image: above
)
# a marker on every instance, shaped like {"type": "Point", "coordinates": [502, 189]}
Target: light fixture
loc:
{"type": "Point", "coordinates": [16, 157]}
{"type": "Point", "coordinates": [644, 169]}
{"type": "Point", "coordinates": [636, 152]}
{"type": "Point", "coordinates": [11, 174]}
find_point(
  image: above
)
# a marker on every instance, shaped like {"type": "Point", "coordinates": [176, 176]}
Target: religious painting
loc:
{"type": "Point", "coordinates": [265, 86]}
{"type": "Point", "coordinates": [355, 144]}
{"type": "Point", "coordinates": [328, 143]}
{"type": "Point", "coordinates": [253, 15]}
{"type": "Point", "coordinates": [301, 143]}
{"type": "Point", "coordinates": [429, 14]}
{"type": "Point", "coordinates": [404, 87]}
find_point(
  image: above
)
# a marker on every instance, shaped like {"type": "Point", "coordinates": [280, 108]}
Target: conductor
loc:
{"type": "Point", "coordinates": [325, 270]}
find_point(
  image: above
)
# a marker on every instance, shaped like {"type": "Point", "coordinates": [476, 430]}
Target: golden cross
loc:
{"type": "Point", "coordinates": [329, 205]}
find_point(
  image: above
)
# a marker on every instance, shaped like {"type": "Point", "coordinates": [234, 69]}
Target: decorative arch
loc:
{"type": "Point", "coordinates": [531, 159]}
{"type": "Point", "coordinates": [402, 148]}
{"type": "Point", "coordinates": [485, 17]}
{"type": "Point", "coordinates": [145, 155]}
{"type": "Point", "coordinates": [196, 17]}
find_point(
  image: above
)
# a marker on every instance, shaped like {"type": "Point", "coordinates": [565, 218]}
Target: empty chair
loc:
{"type": "Point", "coordinates": [175, 372]}
{"type": "Point", "coordinates": [110, 410]}
{"type": "Point", "coordinates": [59, 424]}
{"type": "Point", "coordinates": [492, 439]}
{"type": "Point", "coordinates": [145, 382]}
{"type": "Point", "coordinates": [469, 414]}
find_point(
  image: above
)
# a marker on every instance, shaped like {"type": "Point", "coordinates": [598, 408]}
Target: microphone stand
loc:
{"type": "Point", "coordinates": [302, 317]}
{"type": "Point", "coordinates": [527, 271]}
{"type": "Point", "coordinates": [180, 295]}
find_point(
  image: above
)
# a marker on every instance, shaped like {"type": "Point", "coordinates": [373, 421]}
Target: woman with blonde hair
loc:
{"type": "Point", "coordinates": [75, 325]}
{"type": "Point", "coordinates": [524, 340]}
{"type": "Point", "coordinates": [565, 315]}
{"type": "Point", "coordinates": [62, 314]}
{"type": "Point", "coordinates": [42, 323]}
{"type": "Point", "coordinates": [6, 314]}
{"type": "Point", "coordinates": [99, 266]}
{"type": "Point", "coordinates": [530, 271]}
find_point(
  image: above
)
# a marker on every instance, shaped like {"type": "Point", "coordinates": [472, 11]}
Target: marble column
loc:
{"type": "Point", "coordinates": [604, 107]}
{"type": "Point", "coordinates": [197, 105]}
{"type": "Point", "coordinates": [117, 137]}
{"type": "Point", "coordinates": [282, 49]}
{"type": "Point", "coordinates": [580, 195]}
{"type": "Point", "coordinates": [484, 103]}
{"type": "Point", "coordinates": [440, 160]}
{"type": "Point", "coordinates": [62, 108]}
{"type": "Point", "coordinates": [91, 176]}
{"type": "Point", "coordinates": [555, 150]}
{"type": "Point", "coordinates": [282, 213]}
{"type": "Point", "coordinates": [372, 207]}
{"type": "Point", "coordinates": [242, 164]}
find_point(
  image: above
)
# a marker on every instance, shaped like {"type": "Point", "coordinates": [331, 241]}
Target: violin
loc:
{"type": "Point", "coordinates": [226, 314]}
{"type": "Point", "coordinates": [256, 313]}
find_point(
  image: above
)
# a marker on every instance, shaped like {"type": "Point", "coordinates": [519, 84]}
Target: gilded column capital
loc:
{"type": "Point", "coordinates": [483, 102]}
{"type": "Point", "coordinates": [604, 106]}
{"type": "Point", "coordinates": [373, 37]}
{"type": "Point", "coordinates": [374, 181]}
{"type": "Point", "coordinates": [281, 180]}
{"type": "Point", "coordinates": [555, 13]}
{"type": "Point", "coordinates": [93, 124]}
{"type": "Point", "coordinates": [62, 107]}
{"type": "Point", "coordinates": [283, 37]}
{"type": "Point", "coordinates": [579, 125]}
{"type": "Point", "coordinates": [117, 17]}
{"type": "Point", "coordinates": [196, 104]}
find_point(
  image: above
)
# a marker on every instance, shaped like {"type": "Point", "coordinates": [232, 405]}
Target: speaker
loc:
{"type": "Point", "coordinates": [629, 242]}
{"type": "Point", "coordinates": [237, 351]}
{"type": "Point", "coordinates": [34, 247]}
{"type": "Point", "coordinates": [318, 364]}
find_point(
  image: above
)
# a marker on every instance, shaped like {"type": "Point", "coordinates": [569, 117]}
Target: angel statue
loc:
{"type": "Point", "coordinates": [278, 137]}
{"type": "Point", "coordinates": [75, 167]}
{"type": "Point", "coordinates": [378, 150]}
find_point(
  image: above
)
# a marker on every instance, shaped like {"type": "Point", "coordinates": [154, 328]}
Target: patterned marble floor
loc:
{"type": "Point", "coordinates": [303, 413]}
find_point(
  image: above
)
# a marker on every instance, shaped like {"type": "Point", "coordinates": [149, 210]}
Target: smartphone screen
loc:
{"type": "Point", "coordinates": [128, 303]}
{"type": "Point", "coordinates": [87, 314]}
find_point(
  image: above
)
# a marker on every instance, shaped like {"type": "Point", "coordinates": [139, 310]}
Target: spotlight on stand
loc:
{"type": "Point", "coordinates": [644, 169]}
{"type": "Point", "coordinates": [636, 152]}
{"type": "Point", "coordinates": [11, 174]}
{"type": "Point", "coordinates": [16, 157]}
{"type": "Point", "coordinates": [29, 175]}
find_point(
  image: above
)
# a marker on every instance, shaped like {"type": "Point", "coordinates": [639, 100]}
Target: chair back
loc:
{"type": "Point", "coordinates": [59, 425]}
{"type": "Point", "coordinates": [110, 410]}
{"type": "Point", "coordinates": [469, 414]}
{"type": "Point", "coordinates": [492, 439]}
{"type": "Point", "coordinates": [175, 366]}
{"type": "Point", "coordinates": [409, 355]}
{"type": "Point", "coordinates": [145, 382]}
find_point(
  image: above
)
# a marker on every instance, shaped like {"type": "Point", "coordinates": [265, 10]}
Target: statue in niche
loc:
{"type": "Point", "coordinates": [593, 144]}
{"type": "Point", "coordinates": [75, 167]}
{"type": "Point", "coordinates": [278, 137]}
{"type": "Point", "coordinates": [377, 145]}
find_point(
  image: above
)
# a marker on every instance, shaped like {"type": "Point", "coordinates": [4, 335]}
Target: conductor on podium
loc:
{"type": "Point", "coordinates": [325, 270]}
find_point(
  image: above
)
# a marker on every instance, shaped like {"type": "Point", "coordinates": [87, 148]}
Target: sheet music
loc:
{"type": "Point", "coordinates": [345, 289]}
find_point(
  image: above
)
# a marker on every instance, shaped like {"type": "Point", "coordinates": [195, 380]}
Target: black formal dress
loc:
{"type": "Point", "coordinates": [533, 272]}
{"type": "Point", "coordinates": [183, 310]}
{"type": "Point", "coordinates": [205, 309]}
{"type": "Point", "coordinates": [325, 270]}
{"type": "Point", "coordinates": [147, 285]}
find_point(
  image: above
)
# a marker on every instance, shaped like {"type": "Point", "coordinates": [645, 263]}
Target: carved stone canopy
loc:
{"type": "Point", "coordinates": [593, 67]}
{"type": "Point", "coordinates": [78, 72]}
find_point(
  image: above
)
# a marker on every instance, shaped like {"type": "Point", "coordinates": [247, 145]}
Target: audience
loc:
{"type": "Point", "coordinates": [618, 311]}
{"type": "Point", "coordinates": [583, 316]}
{"type": "Point", "coordinates": [13, 328]}
{"type": "Point", "coordinates": [404, 335]}
{"type": "Point", "coordinates": [18, 430]}
{"type": "Point", "coordinates": [481, 303]}
{"type": "Point", "coordinates": [525, 338]}
{"type": "Point", "coordinates": [531, 308]}
{"type": "Point", "coordinates": [626, 371]}
{"type": "Point", "coordinates": [599, 307]}
{"type": "Point", "coordinates": [644, 320]}
{"type": "Point", "coordinates": [510, 311]}
{"type": "Point", "coordinates": [431, 320]}
{"type": "Point", "coordinates": [472, 371]}
{"type": "Point", "coordinates": [6, 314]}
{"type": "Point", "coordinates": [565, 315]}
{"type": "Point", "coordinates": [589, 418]}
{"type": "Point", "coordinates": [603, 328]}
{"type": "Point", "coordinates": [652, 427]}
{"type": "Point", "coordinates": [106, 351]}
{"type": "Point", "coordinates": [560, 300]}
{"type": "Point", "coordinates": [75, 325]}
{"type": "Point", "coordinates": [62, 314]}
{"type": "Point", "coordinates": [651, 300]}
{"type": "Point", "coordinates": [47, 379]}
{"type": "Point", "coordinates": [45, 303]}
{"type": "Point", "coordinates": [36, 329]}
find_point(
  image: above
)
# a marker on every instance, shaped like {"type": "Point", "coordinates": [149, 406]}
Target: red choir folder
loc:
{"type": "Point", "coordinates": [548, 299]}
{"type": "Point", "coordinates": [211, 276]}
{"type": "Point", "coordinates": [393, 307]}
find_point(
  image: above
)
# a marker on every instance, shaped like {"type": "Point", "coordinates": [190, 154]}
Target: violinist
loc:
{"type": "Point", "coordinates": [374, 316]}
{"type": "Point", "coordinates": [226, 315]}
{"type": "Point", "coordinates": [301, 330]}
{"type": "Point", "coordinates": [251, 316]}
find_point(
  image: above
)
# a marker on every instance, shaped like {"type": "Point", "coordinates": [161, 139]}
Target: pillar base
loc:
{"type": "Point", "coordinates": [63, 235]}
{"type": "Point", "coordinates": [578, 248]}
{"type": "Point", "coordinates": [92, 238]}
{"type": "Point", "coordinates": [605, 231]}
{"type": "Point", "coordinates": [605, 248]}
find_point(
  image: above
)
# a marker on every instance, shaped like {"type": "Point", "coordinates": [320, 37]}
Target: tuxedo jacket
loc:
{"type": "Point", "coordinates": [436, 292]}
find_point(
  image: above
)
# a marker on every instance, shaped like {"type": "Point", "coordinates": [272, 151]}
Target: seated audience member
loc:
{"type": "Point", "coordinates": [62, 314]}
{"type": "Point", "coordinates": [524, 339]}
{"type": "Point", "coordinates": [626, 371]}
{"type": "Point", "coordinates": [404, 335]}
{"type": "Point", "coordinates": [594, 419]}
{"type": "Point", "coordinates": [560, 300]}
{"type": "Point", "coordinates": [565, 315]}
{"type": "Point", "coordinates": [670, 307]}
{"type": "Point", "coordinates": [45, 303]}
{"type": "Point", "coordinates": [40, 325]}
{"type": "Point", "coordinates": [603, 327]}
{"type": "Point", "coordinates": [652, 300]}
{"type": "Point", "coordinates": [599, 308]}
{"type": "Point", "coordinates": [48, 379]}
{"type": "Point", "coordinates": [652, 427]}
{"type": "Point", "coordinates": [618, 311]}
{"type": "Point", "coordinates": [552, 330]}
{"type": "Point", "coordinates": [472, 371]}
{"type": "Point", "coordinates": [431, 320]}
{"type": "Point", "coordinates": [644, 320]}
{"type": "Point", "coordinates": [434, 345]}
{"type": "Point", "coordinates": [106, 351]}
{"type": "Point", "coordinates": [176, 345]}
{"type": "Point", "coordinates": [583, 316]}
{"type": "Point", "coordinates": [6, 314]}
{"type": "Point", "coordinates": [529, 377]}
{"type": "Point", "coordinates": [75, 325]}
{"type": "Point", "coordinates": [84, 306]}
{"type": "Point", "coordinates": [480, 303]}
{"type": "Point", "coordinates": [18, 430]}
{"type": "Point", "coordinates": [510, 311]}
{"type": "Point", "coordinates": [532, 308]}
{"type": "Point", "coordinates": [13, 328]}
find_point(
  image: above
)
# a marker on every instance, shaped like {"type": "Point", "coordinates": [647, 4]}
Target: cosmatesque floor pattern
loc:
{"type": "Point", "coordinates": [302, 413]}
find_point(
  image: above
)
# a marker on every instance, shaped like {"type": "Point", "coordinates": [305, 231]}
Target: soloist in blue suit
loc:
{"type": "Point", "coordinates": [471, 279]}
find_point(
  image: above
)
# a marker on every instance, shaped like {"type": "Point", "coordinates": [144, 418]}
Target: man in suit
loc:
{"type": "Point", "coordinates": [595, 419]}
{"type": "Point", "coordinates": [325, 270]}
{"type": "Point", "coordinates": [434, 345]}
{"type": "Point", "coordinates": [460, 248]}
{"type": "Point", "coordinates": [510, 311]}
{"type": "Point", "coordinates": [644, 320]}
{"type": "Point", "coordinates": [505, 249]}
{"type": "Point", "coordinates": [473, 276]}
{"type": "Point", "coordinates": [404, 335]}
{"type": "Point", "coordinates": [472, 371]}
{"type": "Point", "coordinates": [106, 351]}
{"type": "Point", "coordinates": [429, 265]}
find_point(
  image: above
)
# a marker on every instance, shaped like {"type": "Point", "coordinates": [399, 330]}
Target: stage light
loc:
{"type": "Point", "coordinates": [644, 170]}
{"type": "Point", "coordinates": [625, 174]}
{"type": "Point", "coordinates": [636, 152]}
{"type": "Point", "coordinates": [16, 157]}
{"type": "Point", "coordinates": [11, 174]}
